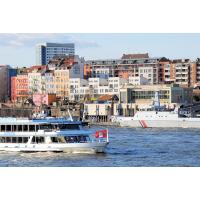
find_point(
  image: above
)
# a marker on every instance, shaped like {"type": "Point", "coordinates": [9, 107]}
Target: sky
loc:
{"type": "Point", "coordinates": [18, 49]}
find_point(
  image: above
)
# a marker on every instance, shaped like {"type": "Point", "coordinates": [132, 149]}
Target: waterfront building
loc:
{"type": "Point", "coordinates": [181, 71]}
{"type": "Point", "coordinates": [44, 99]}
{"type": "Point", "coordinates": [79, 89]}
{"type": "Point", "coordinates": [48, 82]}
{"type": "Point", "coordinates": [114, 85]}
{"type": "Point", "coordinates": [103, 68]}
{"type": "Point", "coordinates": [35, 83]}
{"type": "Point", "coordinates": [198, 71]}
{"type": "Point", "coordinates": [19, 88]}
{"type": "Point", "coordinates": [137, 67]}
{"type": "Point", "coordinates": [101, 109]}
{"type": "Point", "coordinates": [130, 65]}
{"type": "Point", "coordinates": [138, 80]}
{"type": "Point", "coordinates": [143, 95]}
{"type": "Point", "coordinates": [61, 81]}
{"type": "Point", "coordinates": [95, 87]}
{"type": "Point", "coordinates": [46, 51]}
{"type": "Point", "coordinates": [98, 86]}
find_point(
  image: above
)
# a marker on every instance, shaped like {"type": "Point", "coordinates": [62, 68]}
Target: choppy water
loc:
{"type": "Point", "coordinates": [128, 148]}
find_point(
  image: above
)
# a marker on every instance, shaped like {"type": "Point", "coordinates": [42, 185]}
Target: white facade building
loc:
{"type": "Point", "coordinates": [149, 72]}
{"type": "Point", "coordinates": [49, 82]}
{"type": "Point", "coordinates": [138, 80]}
{"type": "Point", "coordinates": [115, 83]}
{"type": "Point", "coordinates": [35, 83]}
{"type": "Point", "coordinates": [98, 86]}
{"type": "Point", "coordinates": [79, 88]}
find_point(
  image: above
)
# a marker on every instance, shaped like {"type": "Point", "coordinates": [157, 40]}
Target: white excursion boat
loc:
{"type": "Point", "coordinates": [56, 135]}
{"type": "Point", "coordinates": [157, 117]}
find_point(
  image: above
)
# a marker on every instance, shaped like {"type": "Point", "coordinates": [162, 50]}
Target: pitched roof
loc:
{"type": "Point", "coordinates": [135, 56]}
{"type": "Point", "coordinates": [107, 97]}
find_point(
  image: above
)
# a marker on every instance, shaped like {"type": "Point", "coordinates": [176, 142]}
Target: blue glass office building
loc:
{"type": "Point", "coordinates": [45, 52]}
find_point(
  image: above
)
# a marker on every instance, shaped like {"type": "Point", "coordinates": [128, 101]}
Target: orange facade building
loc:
{"type": "Point", "coordinates": [19, 88]}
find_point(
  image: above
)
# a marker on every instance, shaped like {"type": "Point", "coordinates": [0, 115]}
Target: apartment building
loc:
{"type": "Point", "coordinates": [198, 71]}
{"type": "Point", "coordinates": [114, 85]}
{"type": "Point", "coordinates": [79, 89]}
{"type": "Point", "coordinates": [130, 65]}
{"type": "Point", "coordinates": [98, 86]}
{"type": "Point", "coordinates": [142, 67]}
{"type": "Point", "coordinates": [35, 83]}
{"type": "Point", "coordinates": [48, 82]}
{"type": "Point", "coordinates": [103, 68]}
{"type": "Point", "coordinates": [61, 81]}
{"type": "Point", "coordinates": [181, 71]}
{"type": "Point", "coordinates": [95, 87]}
{"type": "Point", "coordinates": [138, 80]}
{"type": "Point", "coordinates": [19, 88]}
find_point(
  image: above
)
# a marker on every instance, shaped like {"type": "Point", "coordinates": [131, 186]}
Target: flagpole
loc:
{"type": "Point", "coordinates": [107, 136]}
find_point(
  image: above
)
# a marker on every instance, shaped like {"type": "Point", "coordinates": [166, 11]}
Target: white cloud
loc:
{"type": "Point", "coordinates": [31, 39]}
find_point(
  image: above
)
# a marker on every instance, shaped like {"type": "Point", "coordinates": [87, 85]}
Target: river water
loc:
{"type": "Point", "coordinates": [129, 147]}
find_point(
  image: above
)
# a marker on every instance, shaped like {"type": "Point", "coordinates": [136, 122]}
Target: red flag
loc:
{"type": "Point", "coordinates": [101, 134]}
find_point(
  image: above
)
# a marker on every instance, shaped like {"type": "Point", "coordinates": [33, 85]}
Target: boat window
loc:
{"type": "Point", "coordinates": [54, 126]}
{"type": "Point", "coordinates": [8, 127]}
{"type": "Point", "coordinates": [2, 139]}
{"type": "Point", "coordinates": [19, 128]}
{"type": "Point", "coordinates": [54, 139]}
{"type": "Point", "coordinates": [37, 140]}
{"type": "Point", "coordinates": [82, 138]}
{"type": "Point", "coordinates": [14, 128]}
{"type": "Point", "coordinates": [77, 139]}
{"type": "Point", "coordinates": [3, 127]}
{"type": "Point", "coordinates": [45, 126]}
{"type": "Point", "coordinates": [25, 128]}
{"type": "Point", "coordinates": [71, 139]}
{"type": "Point", "coordinates": [88, 138]}
{"type": "Point", "coordinates": [14, 140]}
{"type": "Point", "coordinates": [19, 139]}
{"type": "Point", "coordinates": [69, 126]}
{"type": "Point", "coordinates": [32, 128]}
{"type": "Point", "coordinates": [25, 139]}
{"type": "Point", "coordinates": [37, 127]}
{"type": "Point", "coordinates": [8, 139]}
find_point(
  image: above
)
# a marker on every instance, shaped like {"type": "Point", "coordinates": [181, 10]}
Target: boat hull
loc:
{"type": "Point", "coordinates": [158, 123]}
{"type": "Point", "coordinates": [93, 147]}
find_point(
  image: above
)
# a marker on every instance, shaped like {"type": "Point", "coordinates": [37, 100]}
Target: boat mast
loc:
{"type": "Point", "coordinates": [70, 116]}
